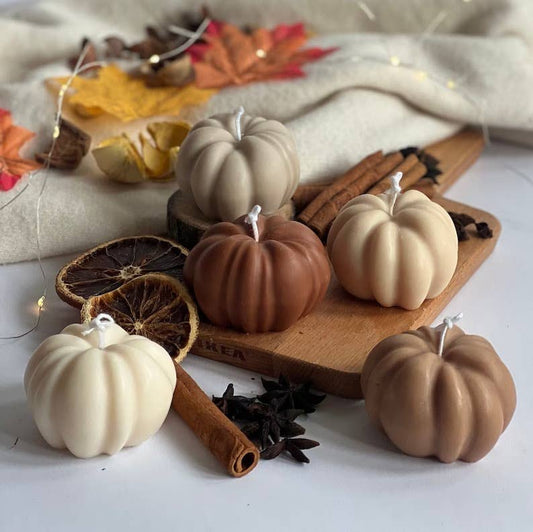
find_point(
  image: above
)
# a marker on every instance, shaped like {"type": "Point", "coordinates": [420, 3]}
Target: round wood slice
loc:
{"type": "Point", "coordinates": [186, 223]}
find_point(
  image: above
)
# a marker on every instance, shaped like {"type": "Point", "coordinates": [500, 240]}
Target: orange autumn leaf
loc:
{"type": "Point", "coordinates": [115, 92]}
{"type": "Point", "coordinates": [231, 57]}
{"type": "Point", "coordinates": [12, 138]}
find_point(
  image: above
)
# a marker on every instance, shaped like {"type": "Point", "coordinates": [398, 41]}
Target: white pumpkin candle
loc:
{"type": "Point", "coordinates": [398, 249]}
{"type": "Point", "coordinates": [98, 389]}
{"type": "Point", "coordinates": [230, 162]}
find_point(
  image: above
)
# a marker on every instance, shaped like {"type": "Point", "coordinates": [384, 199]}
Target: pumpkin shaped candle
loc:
{"type": "Point", "coordinates": [230, 162]}
{"type": "Point", "coordinates": [97, 390]}
{"type": "Point", "coordinates": [259, 273]}
{"type": "Point", "coordinates": [439, 392]}
{"type": "Point", "coordinates": [398, 249]}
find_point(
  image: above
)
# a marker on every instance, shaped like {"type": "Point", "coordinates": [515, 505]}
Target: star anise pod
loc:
{"type": "Point", "coordinates": [233, 406]}
{"type": "Point", "coordinates": [291, 395]}
{"type": "Point", "coordinates": [270, 424]}
{"type": "Point", "coordinates": [461, 221]}
{"type": "Point", "coordinates": [293, 446]}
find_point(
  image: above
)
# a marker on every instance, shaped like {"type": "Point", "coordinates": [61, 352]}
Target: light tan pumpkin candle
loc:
{"type": "Point", "coordinates": [439, 392]}
{"type": "Point", "coordinates": [98, 389]}
{"type": "Point", "coordinates": [397, 249]}
{"type": "Point", "coordinates": [231, 162]}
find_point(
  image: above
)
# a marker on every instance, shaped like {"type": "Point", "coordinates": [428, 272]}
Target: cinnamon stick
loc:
{"type": "Point", "coordinates": [305, 194]}
{"type": "Point", "coordinates": [339, 184]}
{"type": "Point", "coordinates": [384, 184]}
{"type": "Point", "coordinates": [226, 441]}
{"type": "Point", "coordinates": [322, 220]}
{"type": "Point", "coordinates": [414, 175]}
{"type": "Point", "coordinates": [426, 186]}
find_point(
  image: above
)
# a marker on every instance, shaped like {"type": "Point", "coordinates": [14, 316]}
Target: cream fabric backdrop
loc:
{"type": "Point", "coordinates": [351, 102]}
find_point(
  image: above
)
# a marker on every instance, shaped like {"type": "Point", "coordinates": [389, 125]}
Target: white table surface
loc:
{"type": "Point", "coordinates": [355, 481]}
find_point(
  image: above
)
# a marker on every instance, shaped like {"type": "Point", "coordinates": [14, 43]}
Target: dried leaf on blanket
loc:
{"type": "Point", "coordinates": [12, 165]}
{"type": "Point", "coordinates": [115, 92]}
{"type": "Point", "coordinates": [122, 161]}
{"type": "Point", "coordinates": [230, 56]}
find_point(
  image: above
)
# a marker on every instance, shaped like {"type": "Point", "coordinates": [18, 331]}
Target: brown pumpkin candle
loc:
{"type": "Point", "coordinates": [258, 274]}
{"type": "Point", "coordinates": [439, 392]}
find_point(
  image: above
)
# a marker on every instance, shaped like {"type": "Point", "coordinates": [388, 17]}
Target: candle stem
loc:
{"type": "Point", "coordinates": [251, 218]}
{"type": "Point", "coordinates": [100, 324]}
{"type": "Point", "coordinates": [447, 323]}
{"type": "Point", "coordinates": [394, 190]}
{"type": "Point", "coordinates": [238, 125]}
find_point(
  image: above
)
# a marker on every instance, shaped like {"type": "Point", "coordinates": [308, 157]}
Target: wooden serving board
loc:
{"type": "Point", "coordinates": [329, 346]}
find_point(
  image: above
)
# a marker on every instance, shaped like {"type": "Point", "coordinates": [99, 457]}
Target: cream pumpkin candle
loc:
{"type": "Point", "coordinates": [397, 249]}
{"type": "Point", "coordinates": [98, 389]}
{"type": "Point", "coordinates": [259, 273]}
{"type": "Point", "coordinates": [439, 392]}
{"type": "Point", "coordinates": [230, 162]}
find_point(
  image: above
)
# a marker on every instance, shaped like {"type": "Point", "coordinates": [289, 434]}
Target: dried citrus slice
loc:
{"type": "Point", "coordinates": [154, 305]}
{"type": "Point", "coordinates": [110, 265]}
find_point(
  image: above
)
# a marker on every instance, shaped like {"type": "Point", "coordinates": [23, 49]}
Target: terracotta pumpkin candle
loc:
{"type": "Point", "coordinates": [259, 273]}
{"type": "Point", "coordinates": [439, 392]}
{"type": "Point", "coordinates": [96, 390]}
{"type": "Point", "coordinates": [231, 162]}
{"type": "Point", "coordinates": [398, 249]}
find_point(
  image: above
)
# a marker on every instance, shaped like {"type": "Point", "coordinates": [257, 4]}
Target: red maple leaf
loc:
{"type": "Point", "coordinates": [230, 56]}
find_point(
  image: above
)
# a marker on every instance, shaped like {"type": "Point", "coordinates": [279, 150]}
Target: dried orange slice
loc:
{"type": "Point", "coordinates": [108, 266]}
{"type": "Point", "coordinates": [154, 305]}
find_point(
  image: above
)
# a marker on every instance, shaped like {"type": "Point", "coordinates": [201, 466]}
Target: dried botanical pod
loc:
{"type": "Point", "coordinates": [122, 161]}
{"type": "Point", "coordinates": [115, 46]}
{"type": "Point", "coordinates": [91, 55]}
{"type": "Point", "coordinates": [69, 148]}
{"type": "Point", "coordinates": [172, 74]}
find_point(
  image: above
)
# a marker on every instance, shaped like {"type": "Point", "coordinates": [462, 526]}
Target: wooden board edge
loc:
{"type": "Point", "coordinates": [328, 380]}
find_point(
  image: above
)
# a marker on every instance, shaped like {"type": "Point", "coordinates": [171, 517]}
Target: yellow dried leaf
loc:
{"type": "Point", "coordinates": [115, 92]}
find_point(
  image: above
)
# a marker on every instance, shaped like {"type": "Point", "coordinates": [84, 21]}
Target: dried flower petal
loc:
{"type": "Point", "coordinates": [119, 158]}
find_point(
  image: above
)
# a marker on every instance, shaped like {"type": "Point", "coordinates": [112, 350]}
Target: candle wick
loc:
{"type": "Point", "coordinates": [238, 117]}
{"type": "Point", "coordinates": [448, 323]}
{"type": "Point", "coordinates": [251, 218]}
{"type": "Point", "coordinates": [394, 190]}
{"type": "Point", "coordinates": [100, 324]}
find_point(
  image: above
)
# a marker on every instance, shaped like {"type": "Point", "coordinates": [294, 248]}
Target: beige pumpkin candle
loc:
{"type": "Point", "coordinates": [231, 162]}
{"type": "Point", "coordinates": [397, 249]}
{"type": "Point", "coordinates": [439, 392]}
{"type": "Point", "coordinates": [98, 389]}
